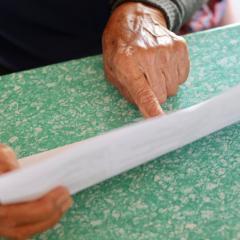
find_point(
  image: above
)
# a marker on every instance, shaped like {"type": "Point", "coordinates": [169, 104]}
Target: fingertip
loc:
{"type": "Point", "coordinates": [157, 112]}
{"type": "Point", "coordinates": [8, 159]}
{"type": "Point", "coordinates": [152, 110]}
{"type": "Point", "coordinates": [7, 152]}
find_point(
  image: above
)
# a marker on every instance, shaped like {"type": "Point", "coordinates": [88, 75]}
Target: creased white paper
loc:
{"type": "Point", "coordinates": [86, 163]}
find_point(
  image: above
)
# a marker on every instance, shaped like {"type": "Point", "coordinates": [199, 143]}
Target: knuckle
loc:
{"type": "Point", "coordinates": [144, 96]}
{"type": "Point", "coordinates": [164, 58]}
{"type": "Point", "coordinates": [180, 39]}
{"type": "Point", "coordinates": [180, 43]}
{"type": "Point", "coordinates": [164, 48]}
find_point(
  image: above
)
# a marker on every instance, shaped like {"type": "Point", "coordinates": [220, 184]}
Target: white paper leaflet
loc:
{"type": "Point", "coordinates": [86, 163]}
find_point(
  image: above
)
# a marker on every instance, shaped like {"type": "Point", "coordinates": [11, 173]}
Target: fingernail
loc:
{"type": "Point", "coordinates": [67, 205]}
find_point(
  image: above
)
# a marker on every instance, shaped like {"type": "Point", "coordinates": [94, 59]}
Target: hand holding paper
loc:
{"type": "Point", "coordinates": [20, 221]}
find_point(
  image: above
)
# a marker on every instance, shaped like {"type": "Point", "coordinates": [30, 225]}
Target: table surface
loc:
{"type": "Point", "coordinates": [191, 193]}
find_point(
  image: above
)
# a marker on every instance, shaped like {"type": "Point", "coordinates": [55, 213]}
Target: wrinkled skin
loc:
{"type": "Point", "coordinates": [20, 221]}
{"type": "Point", "coordinates": [142, 58]}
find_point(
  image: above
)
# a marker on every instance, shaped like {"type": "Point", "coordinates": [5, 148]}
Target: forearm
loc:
{"type": "Point", "coordinates": [177, 12]}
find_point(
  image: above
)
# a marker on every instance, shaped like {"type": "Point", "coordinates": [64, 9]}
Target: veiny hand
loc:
{"type": "Point", "coordinates": [142, 58]}
{"type": "Point", "coordinates": [20, 221]}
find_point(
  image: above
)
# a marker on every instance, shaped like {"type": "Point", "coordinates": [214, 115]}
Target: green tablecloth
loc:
{"type": "Point", "coordinates": [192, 193]}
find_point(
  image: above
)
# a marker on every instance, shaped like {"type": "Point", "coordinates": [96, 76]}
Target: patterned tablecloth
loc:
{"type": "Point", "coordinates": [191, 193]}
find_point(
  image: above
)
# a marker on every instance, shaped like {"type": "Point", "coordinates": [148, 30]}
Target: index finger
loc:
{"type": "Point", "coordinates": [144, 97]}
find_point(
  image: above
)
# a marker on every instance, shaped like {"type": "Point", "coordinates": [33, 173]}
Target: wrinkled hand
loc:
{"type": "Point", "coordinates": [142, 58]}
{"type": "Point", "coordinates": [20, 221]}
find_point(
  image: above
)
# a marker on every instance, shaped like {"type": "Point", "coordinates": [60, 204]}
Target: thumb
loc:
{"type": "Point", "coordinates": [8, 159]}
{"type": "Point", "coordinates": [145, 98]}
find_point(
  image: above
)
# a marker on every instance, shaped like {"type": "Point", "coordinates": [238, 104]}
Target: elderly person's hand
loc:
{"type": "Point", "coordinates": [142, 58]}
{"type": "Point", "coordinates": [20, 221]}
